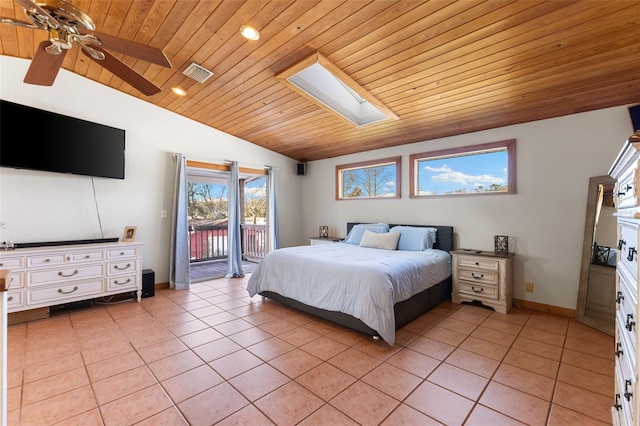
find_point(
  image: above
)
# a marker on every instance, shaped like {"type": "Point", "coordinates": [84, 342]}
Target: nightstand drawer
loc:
{"type": "Point", "coordinates": [479, 263]}
{"type": "Point", "coordinates": [479, 290]}
{"type": "Point", "coordinates": [478, 276]}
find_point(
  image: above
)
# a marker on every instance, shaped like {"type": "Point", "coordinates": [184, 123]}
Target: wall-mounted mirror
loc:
{"type": "Point", "coordinates": [596, 305]}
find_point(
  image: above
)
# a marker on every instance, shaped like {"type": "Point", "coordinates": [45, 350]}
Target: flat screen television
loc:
{"type": "Point", "coordinates": [35, 139]}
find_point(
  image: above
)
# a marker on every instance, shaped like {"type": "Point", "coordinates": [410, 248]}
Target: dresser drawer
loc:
{"type": "Point", "coordinates": [628, 247]}
{"type": "Point", "coordinates": [122, 252]}
{"type": "Point", "coordinates": [478, 276]}
{"type": "Point", "coordinates": [479, 290]}
{"type": "Point", "coordinates": [45, 260]}
{"type": "Point", "coordinates": [17, 280]}
{"type": "Point", "coordinates": [126, 266]}
{"type": "Point", "coordinates": [12, 262]}
{"type": "Point", "coordinates": [626, 322]}
{"type": "Point", "coordinates": [625, 388]}
{"type": "Point", "coordinates": [60, 293]}
{"type": "Point", "coordinates": [86, 256]}
{"type": "Point", "coordinates": [63, 275]}
{"type": "Point", "coordinates": [15, 299]}
{"type": "Point", "coordinates": [624, 192]}
{"type": "Point", "coordinates": [122, 283]}
{"type": "Point", "coordinates": [479, 263]}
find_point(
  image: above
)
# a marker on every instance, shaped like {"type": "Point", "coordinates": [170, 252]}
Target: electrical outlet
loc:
{"type": "Point", "coordinates": [528, 287]}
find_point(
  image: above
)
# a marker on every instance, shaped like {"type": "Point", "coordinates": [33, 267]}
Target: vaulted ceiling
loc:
{"type": "Point", "coordinates": [443, 67]}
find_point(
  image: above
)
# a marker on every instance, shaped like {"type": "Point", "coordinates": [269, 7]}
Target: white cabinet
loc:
{"type": "Point", "coordinates": [53, 275]}
{"type": "Point", "coordinates": [626, 406]}
{"type": "Point", "coordinates": [314, 241]}
{"type": "Point", "coordinates": [483, 276]}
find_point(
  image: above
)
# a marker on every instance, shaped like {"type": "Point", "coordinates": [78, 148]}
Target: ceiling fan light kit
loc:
{"type": "Point", "coordinates": [67, 25]}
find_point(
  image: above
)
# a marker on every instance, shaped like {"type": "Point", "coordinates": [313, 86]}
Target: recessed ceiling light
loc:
{"type": "Point", "coordinates": [178, 91]}
{"type": "Point", "coordinates": [249, 32]}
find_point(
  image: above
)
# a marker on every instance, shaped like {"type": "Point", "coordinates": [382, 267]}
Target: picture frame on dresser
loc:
{"type": "Point", "coordinates": [129, 234]}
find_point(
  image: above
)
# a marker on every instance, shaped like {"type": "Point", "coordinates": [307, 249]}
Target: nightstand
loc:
{"type": "Point", "coordinates": [314, 241]}
{"type": "Point", "coordinates": [483, 276]}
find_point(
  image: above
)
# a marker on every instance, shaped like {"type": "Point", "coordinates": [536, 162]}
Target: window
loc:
{"type": "Point", "coordinates": [479, 169]}
{"type": "Point", "coordinates": [369, 179]}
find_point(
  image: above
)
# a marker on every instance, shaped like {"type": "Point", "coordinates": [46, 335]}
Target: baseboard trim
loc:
{"type": "Point", "coordinates": [161, 286]}
{"type": "Point", "coordinates": [541, 307]}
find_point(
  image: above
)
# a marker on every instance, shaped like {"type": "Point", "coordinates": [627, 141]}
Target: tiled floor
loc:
{"type": "Point", "coordinates": [211, 355]}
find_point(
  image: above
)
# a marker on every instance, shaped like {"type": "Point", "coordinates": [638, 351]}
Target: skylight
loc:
{"type": "Point", "coordinates": [325, 84]}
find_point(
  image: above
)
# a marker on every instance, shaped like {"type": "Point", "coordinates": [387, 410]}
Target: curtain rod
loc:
{"type": "Point", "coordinates": [225, 162]}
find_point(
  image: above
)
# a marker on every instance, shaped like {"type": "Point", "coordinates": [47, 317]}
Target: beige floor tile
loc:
{"type": "Point", "coordinates": [392, 381]}
{"type": "Point", "coordinates": [236, 363]}
{"type": "Point", "coordinates": [530, 362]}
{"type": "Point", "coordinates": [594, 382]}
{"type": "Point", "coordinates": [324, 348]}
{"type": "Point", "coordinates": [288, 404]}
{"type": "Point", "coordinates": [259, 381]}
{"type": "Point", "coordinates": [515, 404]}
{"type": "Point", "coordinates": [439, 403]}
{"type": "Point", "coordinates": [217, 349]}
{"type": "Point", "coordinates": [460, 381]}
{"type": "Point", "coordinates": [59, 408]}
{"type": "Point", "coordinates": [103, 369]}
{"type": "Point", "coordinates": [475, 363]}
{"type": "Point", "coordinates": [327, 415]}
{"type": "Point", "coordinates": [414, 362]}
{"type": "Point", "coordinates": [405, 415]}
{"type": "Point", "coordinates": [169, 417]}
{"type": "Point", "coordinates": [538, 348]}
{"type": "Point", "coordinates": [525, 381]}
{"type": "Point", "coordinates": [364, 403]}
{"type": "Point", "coordinates": [249, 415]}
{"type": "Point", "coordinates": [270, 348]}
{"type": "Point", "coordinates": [122, 384]}
{"type": "Point", "coordinates": [432, 348]}
{"type": "Point", "coordinates": [485, 348]}
{"type": "Point", "coordinates": [190, 383]}
{"type": "Point", "coordinates": [295, 362]}
{"type": "Point", "coordinates": [583, 401]}
{"type": "Point", "coordinates": [561, 416]}
{"type": "Point", "coordinates": [54, 385]}
{"type": "Point", "coordinates": [326, 381]}
{"type": "Point", "coordinates": [136, 407]}
{"type": "Point", "coordinates": [251, 336]}
{"type": "Point", "coordinates": [483, 416]}
{"type": "Point", "coordinates": [174, 365]}
{"type": "Point", "coordinates": [354, 362]}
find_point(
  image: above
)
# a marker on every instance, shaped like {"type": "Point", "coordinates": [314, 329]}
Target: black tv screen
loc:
{"type": "Point", "coordinates": [35, 139]}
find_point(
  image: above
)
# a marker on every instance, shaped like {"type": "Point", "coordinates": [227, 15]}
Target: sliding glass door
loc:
{"type": "Point", "coordinates": [208, 213]}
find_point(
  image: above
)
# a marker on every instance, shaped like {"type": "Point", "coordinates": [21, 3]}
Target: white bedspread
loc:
{"type": "Point", "coordinates": [362, 282]}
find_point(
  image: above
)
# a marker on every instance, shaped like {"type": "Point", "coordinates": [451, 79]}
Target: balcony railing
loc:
{"type": "Point", "coordinates": [209, 242]}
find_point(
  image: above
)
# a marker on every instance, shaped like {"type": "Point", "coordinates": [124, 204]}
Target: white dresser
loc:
{"type": "Point", "coordinates": [46, 276]}
{"type": "Point", "coordinates": [626, 407]}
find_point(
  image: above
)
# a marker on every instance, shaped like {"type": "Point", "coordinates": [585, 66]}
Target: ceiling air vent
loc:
{"type": "Point", "coordinates": [198, 73]}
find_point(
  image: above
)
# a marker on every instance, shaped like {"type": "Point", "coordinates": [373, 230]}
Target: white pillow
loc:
{"type": "Point", "coordinates": [386, 241]}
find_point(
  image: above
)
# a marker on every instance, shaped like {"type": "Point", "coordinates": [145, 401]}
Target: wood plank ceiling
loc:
{"type": "Point", "coordinates": [444, 67]}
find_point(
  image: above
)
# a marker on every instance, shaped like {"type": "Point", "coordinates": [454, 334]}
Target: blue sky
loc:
{"type": "Point", "coordinates": [444, 175]}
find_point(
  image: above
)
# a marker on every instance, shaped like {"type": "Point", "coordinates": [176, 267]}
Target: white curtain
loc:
{"type": "Point", "coordinates": [179, 261]}
{"type": "Point", "coordinates": [234, 245]}
{"type": "Point", "coordinates": [273, 239]}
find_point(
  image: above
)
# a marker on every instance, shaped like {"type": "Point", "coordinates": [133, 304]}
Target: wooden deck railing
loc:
{"type": "Point", "coordinates": [209, 242]}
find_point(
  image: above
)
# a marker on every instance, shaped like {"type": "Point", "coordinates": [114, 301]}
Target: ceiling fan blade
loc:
{"type": "Point", "coordinates": [19, 23]}
{"type": "Point", "coordinates": [44, 66]}
{"type": "Point", "coordinates": [132, 48]}
{"type": "Point", "coordinates": [127, 74]}
{"type": "Point", "coordinates": [30, 5]}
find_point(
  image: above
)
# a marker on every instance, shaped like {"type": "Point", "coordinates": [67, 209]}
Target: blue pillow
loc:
{"type": "Point", "coordinates": [356, 233]}
{"type": "Point", "coordinates": [415, 238]}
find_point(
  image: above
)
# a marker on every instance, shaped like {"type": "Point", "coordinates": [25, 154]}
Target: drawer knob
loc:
{"type": "Point", "coordinates": [621, 243]}
{"type": "Point", "coordinates": [119, 283]}
{"type": "Point", "coordinates": [625, 190]}
{"type": "Point", "coordinates": [122, 269]}
{"type": "Point", "coordinates": [627, 394]}
{"type": "Point", "coordinates": [9, 299]}
{"type": "Point", "coordinates": [477, 277]}
{"type": "Point", "coordinates": [61, 291]}
{"type": "Point", "coordinates": [619, 297]}
{"type": "Point", "coordinates": [619, 350]}
{"type": "Point", "coordinates": [477, 291]}
{"type": "Point", "coordinates": [68, 258]}
{"type": "Point", "coordinates": [477, 263]}
{"type": "Point", "coordinates": [62, 274]}
{"type": "Point", "coordinates": [632, 251]}
{"type": "Point", "coordinates": [630, 323]}
{"type": "Point", "coordinates": [617, 404]}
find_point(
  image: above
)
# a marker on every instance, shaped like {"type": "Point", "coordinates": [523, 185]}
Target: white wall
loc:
{"type": "Point", "coordinates": [544, 220]}
{"type": "Point", "coordinates": [41, 206]}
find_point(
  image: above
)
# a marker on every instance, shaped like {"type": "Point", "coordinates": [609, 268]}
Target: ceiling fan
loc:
{"type": "Point", "coordinates": [67, 24]}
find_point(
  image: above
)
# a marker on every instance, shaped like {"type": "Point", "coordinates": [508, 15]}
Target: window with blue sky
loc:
{"type": "Point", "coordinates": [478, 169]}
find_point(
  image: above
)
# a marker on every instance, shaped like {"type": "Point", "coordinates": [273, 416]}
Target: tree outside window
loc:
{"type": "Point", "coordinates": [370, 179]}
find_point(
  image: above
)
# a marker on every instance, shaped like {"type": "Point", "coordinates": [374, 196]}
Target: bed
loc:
{"type": "Point", "coordinates": [372, 290]}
